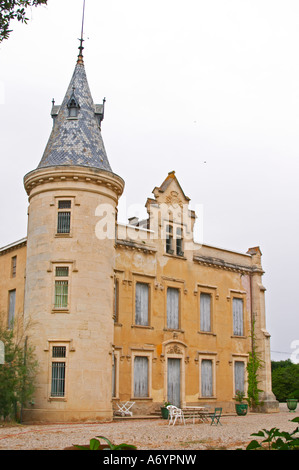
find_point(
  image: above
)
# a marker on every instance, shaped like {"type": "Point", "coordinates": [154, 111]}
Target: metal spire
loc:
{"type": "Point", "coordinates": [80, 56]}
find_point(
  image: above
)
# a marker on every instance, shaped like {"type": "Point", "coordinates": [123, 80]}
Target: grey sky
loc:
{"type": "Point", "coordinates": [208, 88]}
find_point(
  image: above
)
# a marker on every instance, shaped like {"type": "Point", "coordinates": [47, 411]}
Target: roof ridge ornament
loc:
{"type": "Point", "coordinates": [80, 56]}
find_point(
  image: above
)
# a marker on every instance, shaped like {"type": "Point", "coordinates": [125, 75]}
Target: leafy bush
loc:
{"type": "Point", "coordinates": [16, 374]}
{"type": "Point", "coordinates": [274, 439]}
{"type": "Point", "coordinates": [95, 445]}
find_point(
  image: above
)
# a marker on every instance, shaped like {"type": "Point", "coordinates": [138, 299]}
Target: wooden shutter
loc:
{"type": "Point", "coordinates": [140, 376]}
{"type": "Point", "coordinates": [141, 304]}
{"type": "Point", "coordinates": [12, 307]}
{"type": "Point", "coordinates": [174, 381]}
{"type": "Point", "coordinates": [238, 316]}
{"type": "Point", "coordinates": [206, 378]}
{"type": "Point", "coordinates": [173, 296]}
{"type": "Point", "coordinates": [239, 376]}
{"type": "Point", "coordinates": [205, 312]}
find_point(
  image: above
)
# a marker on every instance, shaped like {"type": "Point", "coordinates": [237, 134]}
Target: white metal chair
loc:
{"type": "Point", "coordinates": [174, 414]}
{"type": "Point", "coordinates": [124, 408]}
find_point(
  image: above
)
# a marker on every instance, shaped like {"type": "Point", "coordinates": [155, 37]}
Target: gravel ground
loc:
{"type": "Point", "coordinates": [147, 434]}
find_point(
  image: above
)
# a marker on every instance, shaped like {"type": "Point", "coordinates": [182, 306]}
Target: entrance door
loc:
{"type": "Point", "coordinates": [174, 381]}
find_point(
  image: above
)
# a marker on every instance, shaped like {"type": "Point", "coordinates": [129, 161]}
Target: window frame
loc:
{"type": "Point", "coordinates": [56, 279]}
{"type": "Point", "coordinates": [148, 353]}
{"type": "Point", "coordinates": [207, 357]}
{"type": "Point", "coordinates": [61, 199]}
{"type": "Point", "coordinates": [179, 319]}
{"type": "Point", "coordinates": [244, 359]}
{"type": "Point", "coordinates": [13, 271]}
{"type": "Point", "coordinates": [58, 360]}
{"type": "Point", "coordinates": [236, 333]}
{"type": "Point", "coordinates": [11, 315]}
{"type": "Point", "coordinates": [138, 322]}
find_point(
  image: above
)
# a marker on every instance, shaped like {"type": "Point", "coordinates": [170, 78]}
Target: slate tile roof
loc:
{"type": "Point", "coordinates": [76, 141]}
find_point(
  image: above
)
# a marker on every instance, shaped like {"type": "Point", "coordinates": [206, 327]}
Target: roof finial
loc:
{"type": "Point", "coordinates": [80, 56]}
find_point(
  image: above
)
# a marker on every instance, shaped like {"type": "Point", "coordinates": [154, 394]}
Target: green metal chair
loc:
{"type": "Point", "coordinates": [215, 417]}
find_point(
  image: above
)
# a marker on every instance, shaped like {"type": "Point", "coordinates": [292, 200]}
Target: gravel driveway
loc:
{"type": "Point", "coordinates": [147, 434]}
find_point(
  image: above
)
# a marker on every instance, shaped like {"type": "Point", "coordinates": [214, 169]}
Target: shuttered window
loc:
{"type": "Point", "coordinates": [239, 376]}
{"type": "Point", "coordinates": [12, 308]}
{"type": "Point", "coordinates": [206, 378]}
{"type": "Point", "coordinates": [114, 375]}
{"type": "Point", "coordinates": [238, 317]}
{"type": "Point", "coordinates": [141, 377]}
{"type": "Point", "coordinates": [205, 312]}
{"type": "Point", "coordinates": [173, 297]}
{"type": "Point", "coordinates": [142, 304]}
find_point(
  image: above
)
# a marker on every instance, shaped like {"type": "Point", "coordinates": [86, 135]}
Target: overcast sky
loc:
{"type": "Point", "coordinates": [208, 88]}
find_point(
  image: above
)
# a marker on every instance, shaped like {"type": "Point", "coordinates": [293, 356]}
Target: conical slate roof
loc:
{"type": "Point", "coordinates": [76, 140]}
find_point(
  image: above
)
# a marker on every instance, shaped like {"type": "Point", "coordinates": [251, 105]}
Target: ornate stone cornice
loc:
{"type": "Point", "coordinates": [221, 264]}
{"type": "Point", "coordinates": [72, 175]}
{"type": "Point", "coordinates": [130, 245]}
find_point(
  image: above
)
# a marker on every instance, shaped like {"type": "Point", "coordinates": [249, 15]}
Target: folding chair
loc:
{"type": "Point", "coordinates": [124, 408]}
{"type": "Point", "coordinates": [215, 417]}
{"type": "Point", "coordinates": [174, 414]}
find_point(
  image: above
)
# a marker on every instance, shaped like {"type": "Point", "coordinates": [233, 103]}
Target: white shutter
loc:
{"type": "Point", "coordinates": [173, 308]}
{"type": "Point", "coordinates": [239, 376]}
{"type": "Point", "coordinates": [141, 304]}
{"type": "Point", "coordinates": [140, 376]}
{"type": "Point", "coordinates": [12, 307]}
{"type": "Point", "coordinates": [238, 316]}
{"type": "Point", "coordinates": [205, 312]}
{"type": "Point", "coordinates": [206, 378]}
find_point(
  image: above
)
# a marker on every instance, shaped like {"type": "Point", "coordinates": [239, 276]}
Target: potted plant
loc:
{"type": "Point", "coordinates": [241, 407]}
{"type": "Point", "coordinates": [292, 403]}
{"type": "Point", "coordinates": [164, 410]}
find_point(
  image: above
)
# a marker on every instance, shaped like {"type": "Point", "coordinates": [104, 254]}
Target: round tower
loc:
{"type": "Point", "coordinates": [73, 196]}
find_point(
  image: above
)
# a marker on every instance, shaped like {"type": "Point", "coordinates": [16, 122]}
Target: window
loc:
{"type": "Point", "coordinates": [238, 328]}
{"type": "Point", "coordinates": [179, 242]}
{"type": "Point", "coordinates": [169, 239]}
{"type": "Point", "coordinates": [73, 105]}
{"type": "Point", "coordinates": [64, 217]}
{"type": "Point", "coordinates": [58, 371]}
{"type": "Point", "coordinates": [116, 301]}
{"type": "Point", "coordinates": [205, 312]}
{"type": "Point", "coordinates": [13, 266]}
{"type": "Point", "coordinates": [11, 308]}
{"type": "Point", "coordinates": [61, 287]}
{"type": "Point", "coordinates": [206, 378]}
{"type": "Point", "coordinates": [239, 376]}
{"type": "Point", "coordinates": [140, 377]}
{"type": "Point", "coordinates": [114, 367]}
{"type": "Point", "coordinates": [142, 304]}
{"type": "Point", "coordinates": [173, 296]}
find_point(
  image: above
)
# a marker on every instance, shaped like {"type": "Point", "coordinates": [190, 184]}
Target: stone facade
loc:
{"type": "Point", "coordinates": [125, 312]}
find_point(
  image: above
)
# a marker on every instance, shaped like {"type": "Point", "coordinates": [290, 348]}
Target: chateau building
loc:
{"type": "Point", "coordinates": [124, 312]}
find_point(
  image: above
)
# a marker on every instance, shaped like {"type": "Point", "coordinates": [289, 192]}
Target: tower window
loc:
{"type": "Point", "coordinates": [61, 288]}
{"type": "Point", "coordinates": [64, 217]}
